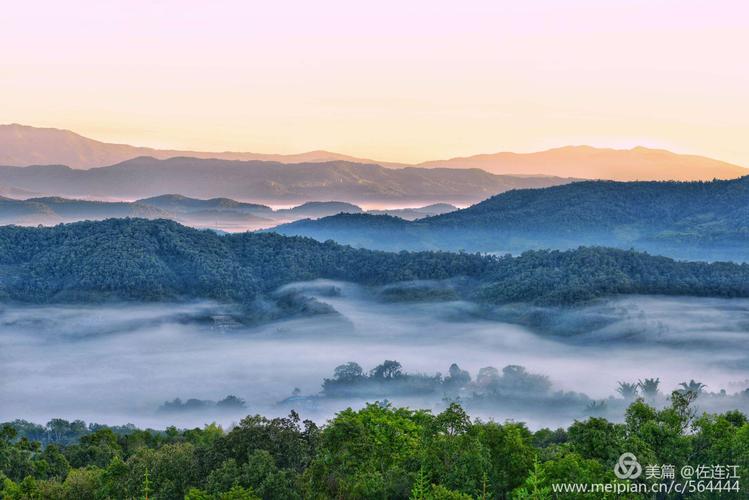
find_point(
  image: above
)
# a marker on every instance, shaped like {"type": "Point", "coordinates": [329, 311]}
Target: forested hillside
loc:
{"type": "Point", "coordinates": [138, 259]}
{"type": "Point", "coordinates": [706, 220]}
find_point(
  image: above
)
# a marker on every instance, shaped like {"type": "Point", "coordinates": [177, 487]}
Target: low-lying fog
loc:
{"type": "Point", "coordinates": [119, 363]}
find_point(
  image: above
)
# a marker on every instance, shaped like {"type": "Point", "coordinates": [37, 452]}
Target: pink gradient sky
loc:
{"type": "Point", "coordinates": [391, 80]}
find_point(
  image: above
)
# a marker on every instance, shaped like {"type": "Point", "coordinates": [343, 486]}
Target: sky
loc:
{"type": "Point", "coordinates": [388, 80]}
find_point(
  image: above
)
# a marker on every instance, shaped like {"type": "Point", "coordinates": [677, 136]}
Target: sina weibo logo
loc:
{"type": "Point", "coordinates": [628, 467]}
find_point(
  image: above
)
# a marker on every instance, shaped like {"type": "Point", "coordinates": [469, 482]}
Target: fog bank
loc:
{"type": "Point", "coordinates": [118, 364]}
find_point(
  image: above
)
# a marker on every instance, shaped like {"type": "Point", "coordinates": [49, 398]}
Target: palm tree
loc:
{"type": "Point", "coordinates": [596, 407]}
{"type": "Point", "coordinates": [692, 387]}
{"type": "Point", "coordinates": [627, 390]}
{"type": "Point", "coordinates": [649, 387]}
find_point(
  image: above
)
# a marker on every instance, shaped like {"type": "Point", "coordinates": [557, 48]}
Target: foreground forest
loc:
{"type": "Point", "coordinates": [158, 260]}
{"type": "Point", "coordinates": [376, 452]}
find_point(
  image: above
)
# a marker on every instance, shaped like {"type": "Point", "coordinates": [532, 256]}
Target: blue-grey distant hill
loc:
{"type": "Point", "coordinates": [416, 213]}
{"type": "Point", "coordinates": [54, 210]}
{"type": "Point", "coordinates": [214, 212]}
{"type": "Point", "coordinates": [705, 220]}
{"type": "Point", "coordinates": [178, 203]}
{"type": "Point", "coordinates": [269, 182]}
{"type": "Point", "coordinates": [315, 209]}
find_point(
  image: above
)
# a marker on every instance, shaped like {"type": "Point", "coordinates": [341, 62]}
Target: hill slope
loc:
{"type": "Point", "coordinates": [182, 204]}
{"type": "Point", "coordinates": [706, 220]}
{"type": "Point", "coordinates": [268, 182]}
{"type": "Point", "coordinates": [137, 259]}
{"type": "Point", "coordinates": [54, 210]}
{"type": "Point", "coordinates": [416, 212]}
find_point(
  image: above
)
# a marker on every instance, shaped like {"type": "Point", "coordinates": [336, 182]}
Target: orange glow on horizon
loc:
{"type": "Point", "coordinates": [383, 81]}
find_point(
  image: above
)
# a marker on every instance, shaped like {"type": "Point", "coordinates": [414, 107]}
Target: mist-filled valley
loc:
{"type": "Point", "coordinates": [128, 363]}
{"type": "Point", "coordinates": [454, 251]}
{"type": "Point", "coordinates": [227, 363]}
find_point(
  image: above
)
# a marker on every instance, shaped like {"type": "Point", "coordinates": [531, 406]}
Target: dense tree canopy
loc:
{"type": "Point", "coordinates": [136, 259]}
{"type": "Point", "coordinates": [376, 452]}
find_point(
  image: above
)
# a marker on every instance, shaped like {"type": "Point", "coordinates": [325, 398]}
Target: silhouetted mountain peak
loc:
{"type": "Point", "coordinates": [22, 145]}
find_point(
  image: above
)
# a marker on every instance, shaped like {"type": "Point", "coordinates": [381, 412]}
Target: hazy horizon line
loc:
{"type": "Point", "coordinates": [357, 158]}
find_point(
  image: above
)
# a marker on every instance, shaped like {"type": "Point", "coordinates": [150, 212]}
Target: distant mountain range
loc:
{"type": "Point", "coordinates": [634, 164]}
{"type": "Point", "coordinates": [22, 145]}
{"type": "Point", "coordinates": [702, 220]}
{"type": "Point", "coordinates": [269, 182]}
{"type": "Point", "coordinates": [219, 213]}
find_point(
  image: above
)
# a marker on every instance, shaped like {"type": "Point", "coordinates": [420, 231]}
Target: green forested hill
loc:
{"type": "Point", "coordinates": [705, 220]}
{"type": "Point", "coordinates": [161, 259]}
{"type": "Point", "coordinates": [137, 259]}
{"type": "Point", "coordinates": [697, 208]}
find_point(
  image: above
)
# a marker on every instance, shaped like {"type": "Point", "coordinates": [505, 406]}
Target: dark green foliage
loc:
{"type": "Point", "coordinates": [289, 442]}
{"type": "Point", "coordinates": [136, 259]}
{"type": "Point", "coordinates": [586, 273]}
{"type": "Point", "coordinates": [376, 452]}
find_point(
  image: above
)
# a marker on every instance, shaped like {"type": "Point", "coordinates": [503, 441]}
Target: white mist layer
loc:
{"type": "Point", "coordinates": [118, 364]}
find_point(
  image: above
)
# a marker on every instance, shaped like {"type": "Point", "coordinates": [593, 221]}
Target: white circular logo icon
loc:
{"type": "Point", "coordinates": [628, 467]}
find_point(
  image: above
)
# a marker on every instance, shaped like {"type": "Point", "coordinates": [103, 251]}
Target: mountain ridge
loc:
{"type": "Point", "coordinates": [82, 153]}
{"type": "Point", "coordinates": [704, 220]}
{"type": "Point", "coordinates": [268, 182]}
{"type": "Point", "coordinates": [23, 145]}
{"type": "Point", "coordinates": [637, 163]}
